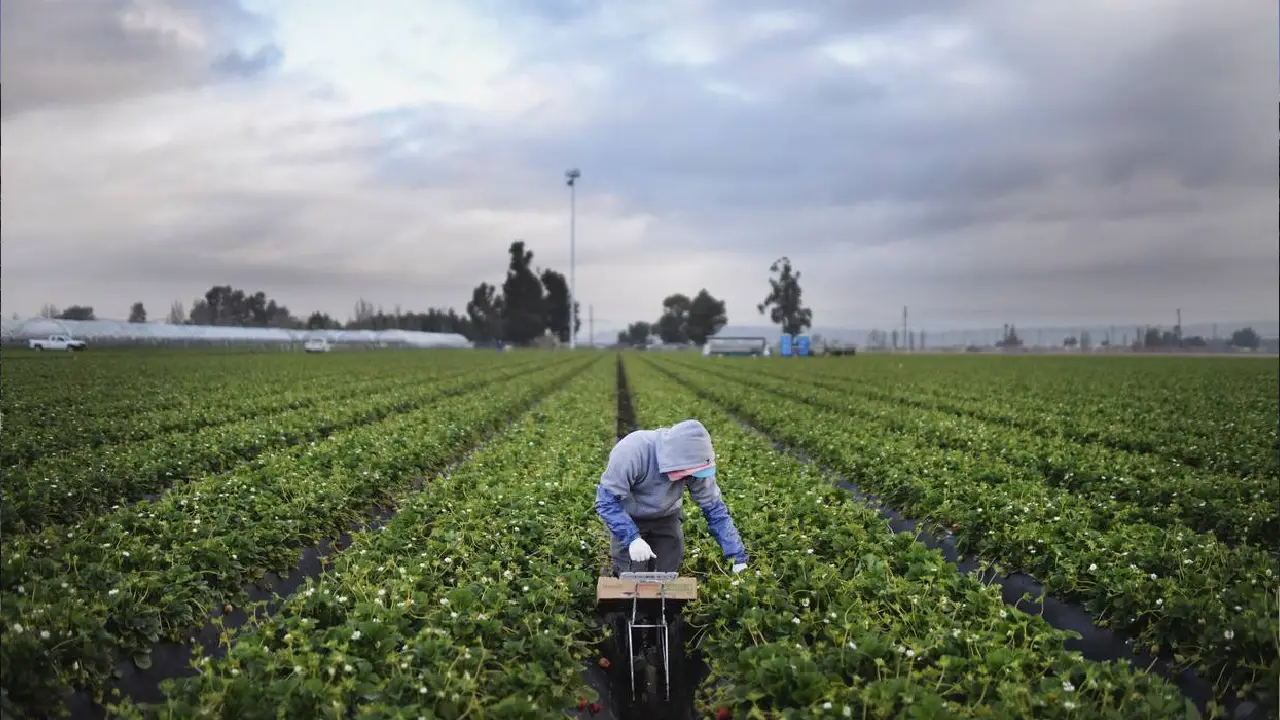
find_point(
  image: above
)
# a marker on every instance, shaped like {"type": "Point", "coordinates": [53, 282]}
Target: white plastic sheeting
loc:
{"type": "Point", "coordinates": [113, 331]}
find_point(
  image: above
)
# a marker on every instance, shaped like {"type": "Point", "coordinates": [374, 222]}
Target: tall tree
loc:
{"type": "Point", "coordinates": [555, 303]}
{"type": "Point", "coordinates": [137, 313]}
{"type": "Point", "coordinates": [77, 312]}
{"type": "Point", "coordinates": [784, 299]}
{"type": "Point", "coordinates": [637, 333]}
{"type": "Point", "coordinates": [706, 317]}
{"type": "Point", "coordinates": [221, 305]}
{"type": "Point", "coordinates": [50, 311]}
{"type": "Point", "coordinates": [176, 313]}
{"type": "Point", "coordinates": [485, 311]}
{"type": "Point", "coordinates": [523, 317]}
{"type": "Point", "coordinates": [202, 313]}
{"type": "Point", "coordinates": [1245, 338]}
{"type": "Point", "coordinates": [673, 325]}
{"type": "Point", "coordinates": [322, 321]}
{"type": "Point", "coordinates": [224, 305]}
{"type": "Point", "coordinates": [362, 315]}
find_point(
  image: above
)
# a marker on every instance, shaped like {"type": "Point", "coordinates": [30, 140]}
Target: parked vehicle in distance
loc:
{"type": "Point", "coordinates": [316, 345]}
{"type": "Point", "coordinates": [58, 342]}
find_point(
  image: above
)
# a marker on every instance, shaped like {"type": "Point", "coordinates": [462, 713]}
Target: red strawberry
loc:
{"type": "Point", "coordinates": [594, 707]}
{"type": "Point", "coordinates": [723, 713]}
{"type": "Point", "coordinates": [582, 703]}
{"type": "Point", "coordinates": [604, 662]}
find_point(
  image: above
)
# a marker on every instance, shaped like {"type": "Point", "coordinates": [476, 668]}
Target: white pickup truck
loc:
{"type": "Point", "coordinates": [58, 342]}
{"type": "Point", "coordinates": [316, 345]}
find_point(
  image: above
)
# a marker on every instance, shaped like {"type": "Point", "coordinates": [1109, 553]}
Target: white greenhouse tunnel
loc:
{"type": "Point", "coordinates": [111, 332]}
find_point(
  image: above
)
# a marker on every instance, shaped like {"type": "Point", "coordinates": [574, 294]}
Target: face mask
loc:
{"type": "Point", "coordinates": [700, 473]}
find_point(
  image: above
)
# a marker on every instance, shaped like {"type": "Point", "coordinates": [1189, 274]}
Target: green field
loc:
{"type": "Point", "coordinates": [144, 494]}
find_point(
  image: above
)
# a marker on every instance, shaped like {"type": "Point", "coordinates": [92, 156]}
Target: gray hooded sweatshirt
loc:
{"type": "Point", "coordinates": [634, 484]}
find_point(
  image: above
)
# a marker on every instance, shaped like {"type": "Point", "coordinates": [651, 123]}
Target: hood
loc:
{"type": "Point", "coordinates": [684, 446]}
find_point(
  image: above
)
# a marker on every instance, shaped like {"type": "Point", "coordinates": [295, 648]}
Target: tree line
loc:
{"type": "Point", "coordinates": [693, 320]}
{"type": "Point", "coordinates": [529, 303]}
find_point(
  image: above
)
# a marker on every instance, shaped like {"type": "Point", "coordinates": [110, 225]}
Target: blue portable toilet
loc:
{"type": "Point", "coordinates": [784, 346]}
{"type": "Point", "coordinates": [802, 345]}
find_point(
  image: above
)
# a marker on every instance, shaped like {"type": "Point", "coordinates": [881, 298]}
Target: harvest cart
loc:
{"type": "Point", "coordinates": [648, 669]}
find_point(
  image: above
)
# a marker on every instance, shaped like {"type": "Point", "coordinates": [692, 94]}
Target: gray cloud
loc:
{"type": "Point", "coordinates": [91, 51]}
{"type": "Point", "coordinates": [1001, 157]}
{"type": "Point", "coordinates": [239, 64]}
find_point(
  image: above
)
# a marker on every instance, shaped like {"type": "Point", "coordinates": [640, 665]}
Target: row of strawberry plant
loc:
{"type": "Point", "coordinates": [1213, 607]}
{"type": "Point", "coordinates": [1231, 435]}
{"type": "Point", "coordinates": [839, 617]}
{"type": "Point", "coordinates": [474, 600]}
{"type": "Point", "coordinates": [1120, 484]}
{"type": "Point", "coordinates": [1143, 405]}
{"type": "Point", "coordinates": [70, 487]}
{"type": "Point", "coordinates": [116, 584]}
{"type": "Point", "coordinates": [1209, 413]}
{"type": "Point", "coordinates": [30, 385]}
{"type": "Point", "coordinates": [52, 392]}
{"type": "Point", "coordinates": [277, 392]}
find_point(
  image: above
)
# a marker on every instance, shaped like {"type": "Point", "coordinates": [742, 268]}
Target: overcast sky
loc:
{"type": "Point", "coordinates": [982, 162]}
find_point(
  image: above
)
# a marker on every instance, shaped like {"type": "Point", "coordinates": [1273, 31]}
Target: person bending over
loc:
{"type": "Point", "coordinates": [640, 491]}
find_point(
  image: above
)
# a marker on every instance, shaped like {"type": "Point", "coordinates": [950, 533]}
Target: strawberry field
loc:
{"type": "Point", "coordinates": [411, 534]}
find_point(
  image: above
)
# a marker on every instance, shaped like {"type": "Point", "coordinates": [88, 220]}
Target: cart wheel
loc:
{"type": "Point", "coordinates": [655, 703]}
{"type": "Point", "coordinates": [680, 705]}
{"type": "Point", "coordinates": [619, 664]}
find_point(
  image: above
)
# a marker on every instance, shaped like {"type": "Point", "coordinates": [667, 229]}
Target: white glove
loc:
{"type": "Point", "coordinates": [640, 551]}
{"type": "Point", "coordinates": [739, 567]}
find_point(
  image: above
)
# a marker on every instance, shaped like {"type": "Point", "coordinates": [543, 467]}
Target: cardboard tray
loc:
{"type": "Point", "coordinates": [612, 588]}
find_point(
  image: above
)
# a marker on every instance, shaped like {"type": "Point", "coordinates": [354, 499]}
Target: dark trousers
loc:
{"type": "Point", "coordinates": [664, 535]}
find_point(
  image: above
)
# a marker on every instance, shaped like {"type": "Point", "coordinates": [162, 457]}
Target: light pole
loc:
{"type": "Point", "coordinates": [571, 176]}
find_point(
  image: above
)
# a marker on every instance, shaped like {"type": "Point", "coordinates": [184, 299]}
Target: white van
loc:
{"type": "Point", "coordinates": [316, 345]}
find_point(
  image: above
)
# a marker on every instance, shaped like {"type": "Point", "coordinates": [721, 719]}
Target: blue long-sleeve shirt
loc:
{"type": "Point", "coordinates": [634, 484]}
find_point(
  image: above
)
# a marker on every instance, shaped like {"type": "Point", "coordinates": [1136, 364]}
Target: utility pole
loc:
{"type": "Point", "coordinates": [1178, 330]}
{"type": "Point", "coordinates": [904, 326]}
{"type": "Point", "coordinates": [571, 176]}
